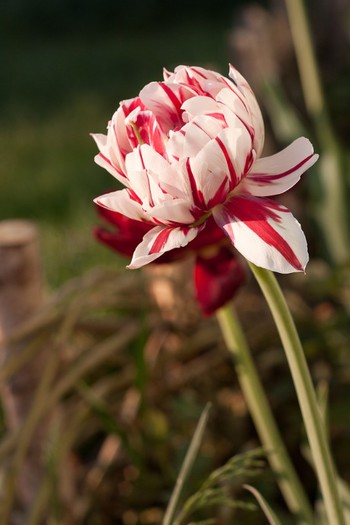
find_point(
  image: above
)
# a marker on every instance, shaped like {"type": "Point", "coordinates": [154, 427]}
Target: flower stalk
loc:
{"type": "Point", "coordinates": [262, 416]}
{"type": "Point", "coordinates": [314, 426]}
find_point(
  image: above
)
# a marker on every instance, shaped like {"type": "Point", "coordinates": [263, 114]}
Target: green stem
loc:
{"type": "Point", "coordinates": [314, 426]}
{"type": "Point", "coordinates": [262, 416]}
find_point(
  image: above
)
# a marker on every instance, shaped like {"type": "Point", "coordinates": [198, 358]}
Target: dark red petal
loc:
{"type": "Point", "coordinates": [124, 234]}
{"type": "Point", "coordinates": [217, 279]}
{"type": "Point", "coordinates": [211, 234]}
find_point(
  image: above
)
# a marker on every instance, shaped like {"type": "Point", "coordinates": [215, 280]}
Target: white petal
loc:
{"type": "Point", "coordinates": [265, 233]}
{"type": "Point", "coordinates": [224, 157]}
{"type": "Point", "coordinates": [165, 99]}
{"type": "Point", "coordinates": [253, 106]}
{"type": "Point", "coordinates": [176, 211]}
{"type": "Point", "coordinates": [113, 147]}
{"type": "Point", "coordinates": [165, 178]}
{"type": "Point", "coordinates": [235, 104]}
{"type": "Point", "coordinates": [280, 172]}
{"type": "Point", "coordinates": [205, 78]}
{"type": "Point", "coordinates": [200, 105]}
{"type": "Point", "coordinates": [117, 141]}
{"type": "Point", "coordinates": [192, 137]}
{"type": "Point", "coordinates": [122, 202]}
{"type": "Point", "coordinates": [160, 240]}
{"type": "Point", "coordinates": [100, 139]}
{"type": "Point", "coordinates": [106, 164]}
{"type": "Point", "coordinates": [207, 188]}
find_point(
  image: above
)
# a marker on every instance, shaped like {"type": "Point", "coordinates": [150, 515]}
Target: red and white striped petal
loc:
{"type": "Point", "coordinates": [115, 145]}
{"type": "Point", "coordinates": [225, 157]}
{"type": "Point", "coordinates": [205, 81]}
{"type": "Point", "coordinates": [143, 128]}
{"type": "Point", "coordinates": [206, 189]}
{"type": "Point", "coordinates": [173, 212]}
{"type": "Point", "coordinates": [165, 99]}
{"type": "Point", "coordinates": [201, 105]}
{"type": "Point", "coordinates": [236, 112]}
{"type": "Point", "coordinates": [145, 186]}
{"type": "Point", "coordinates": [117, 138]}
{"type": "Point", "coordinates": [192, 137]}
{"type": "Point", "coordinates": [163, 177]}
{"type": "Point", "coordinates": [264, 232]}
{"type": "Point", "coordinates": [235, 104]}
{"type": "Point", "coordinates": [253, 106]}
{"type": "Point", "coordinates": [118, 124]}
{"type": "Point", "coordinates": [160, 240]}
{"type": "Point", "coordinates": [182, 73]}
{"type": "Point", "coordinates": [280, 172]}
{"type": "Point", "coordinates": [124, 202]}
{"type": "Point", "coordinates": [103, 158]}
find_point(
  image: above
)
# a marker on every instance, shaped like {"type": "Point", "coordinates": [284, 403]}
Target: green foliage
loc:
{"type": "Point", "coordinates": [213, 491]}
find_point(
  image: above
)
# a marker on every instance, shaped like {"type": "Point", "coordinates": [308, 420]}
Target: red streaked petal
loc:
{"type": "Point", "coordinates": [160, 240]}
{"type": "Point", "coordinates": [264, 232]}
{"type": "Point", "coordinates": [280, 172]}
{"type": "Point", "coordinates": [172, 212]}
{"type": "Point", "coordinates": [252, 106]}
{"type": "Point", "coordinates": [104, 162]}
{"type": "Point", "coordinates": [193, 136]}
{"type": "Point", "coordinates": [124, 201]}
{"type": "Point", "coordinates": [165, 99]}
{"type": "Point", "coordinates": [219, 166]}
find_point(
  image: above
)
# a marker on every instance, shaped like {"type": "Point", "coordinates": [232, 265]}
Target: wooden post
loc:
{"type": "Point", "coordinates": [21, 295]}
{"type": "Point", "coordinates": [171, 287]}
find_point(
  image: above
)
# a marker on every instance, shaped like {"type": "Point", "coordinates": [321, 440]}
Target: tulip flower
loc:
{"type": "Point", "coordinates": [187, 151]}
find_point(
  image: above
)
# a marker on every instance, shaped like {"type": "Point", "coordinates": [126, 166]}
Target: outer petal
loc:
{"type": "Point", "coordinates": [280, 172]}
{"type": "Point", "coordinates": [103, 158]}
{"type": "Point", "coordinates": [236, 111]}
{"type": "Point", "coordinates": [264, 232]}
{"type": "Point", "coordinates": [160, 240]}
{"type": "Point", "coordinates": [115, 145]}
{"type": "Point", "coordinates": [124, 202]}
{"type": "Point", "coordinates": [253, 107]}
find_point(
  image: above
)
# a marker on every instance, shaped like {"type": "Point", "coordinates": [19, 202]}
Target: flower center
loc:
{"type": "Point", "coordinates": [201, 220]}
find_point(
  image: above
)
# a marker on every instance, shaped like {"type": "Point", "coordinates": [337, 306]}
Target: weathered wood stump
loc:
{"type": "Point", "coordinates": [21, 296]}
